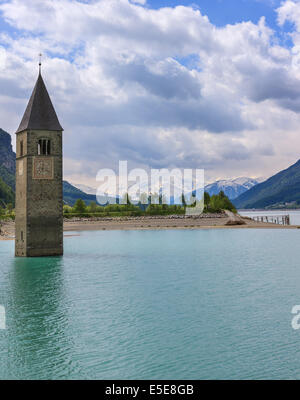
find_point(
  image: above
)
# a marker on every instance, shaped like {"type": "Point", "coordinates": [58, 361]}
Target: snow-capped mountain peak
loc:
{"type": "Point", "coordinates": [85, 189]}
{"type": "Point", "coordinates": [231, 187]}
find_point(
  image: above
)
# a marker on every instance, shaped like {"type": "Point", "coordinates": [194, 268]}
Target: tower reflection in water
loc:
{"type": "Point", "coordinates": [38, 338]}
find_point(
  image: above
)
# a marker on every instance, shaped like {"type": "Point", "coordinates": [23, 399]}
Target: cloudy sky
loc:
{"type": "Point", "coordinates": [211, 84]}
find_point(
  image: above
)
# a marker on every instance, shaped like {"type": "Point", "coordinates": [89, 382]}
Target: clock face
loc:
{"type": "Point", "coordinates": [43, 168]}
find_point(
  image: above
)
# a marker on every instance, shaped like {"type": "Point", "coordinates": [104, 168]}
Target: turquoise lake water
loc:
{"type": "Point", "coordinates": [182, 304]}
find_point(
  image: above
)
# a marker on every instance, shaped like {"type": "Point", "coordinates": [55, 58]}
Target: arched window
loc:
{"type": "Point", "coordinates": [44, 147]}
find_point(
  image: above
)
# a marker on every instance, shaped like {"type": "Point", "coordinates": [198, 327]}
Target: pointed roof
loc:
{"type": "Point", "coordinates": [40, 113]}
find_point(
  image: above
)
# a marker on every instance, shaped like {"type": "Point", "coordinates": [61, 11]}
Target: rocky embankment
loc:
{"type": "Point", "coordinates": [148, 218]}
{"type": "Point", "coordinates": [7, 230]}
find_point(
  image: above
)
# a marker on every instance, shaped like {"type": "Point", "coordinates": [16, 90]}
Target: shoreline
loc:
{"type": "Point", "coordinates": [215, 221]}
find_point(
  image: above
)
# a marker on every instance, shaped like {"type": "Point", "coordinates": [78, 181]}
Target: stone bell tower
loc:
{"type": "Point", "coordinates": [39, 201]}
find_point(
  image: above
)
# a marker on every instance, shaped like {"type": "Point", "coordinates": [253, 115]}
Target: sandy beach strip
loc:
{"type": "Point", "coordinates": [215, 221]}
{"type": "Point", "coordinates": [165, 223]}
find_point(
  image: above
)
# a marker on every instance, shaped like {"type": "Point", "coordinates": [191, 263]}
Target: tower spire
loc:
{"type": "Point", "coordinates": [40, 113]}
{"type": "Point", "coordinates": [40, 63]}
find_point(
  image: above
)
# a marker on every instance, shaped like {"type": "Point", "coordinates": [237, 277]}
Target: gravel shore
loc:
{"type": "Point", "coordinates": [204, 221]}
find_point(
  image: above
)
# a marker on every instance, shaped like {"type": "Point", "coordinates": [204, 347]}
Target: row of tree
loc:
{"type": "Point", "coordinates": [212, 204]}
{"type": "Point", "coordinates": [81, 209]}
{"type": "Point", "coordinates": [7, 211]}
{"type": "Point", "coordinates": [217, 203]}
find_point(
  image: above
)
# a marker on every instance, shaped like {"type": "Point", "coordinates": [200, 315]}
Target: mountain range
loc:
{"type": "Point", "coordinates": [7, 169]}
{"type": "Point", "coordinates": [231, 187]}
{"type": "Point", "coordinates": [280, 191]}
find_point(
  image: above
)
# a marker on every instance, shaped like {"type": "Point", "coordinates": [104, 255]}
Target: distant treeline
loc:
{"type": "Point", "coordinates": [212, 204]}
{"type": "Point", "coordinates": [7, 211]}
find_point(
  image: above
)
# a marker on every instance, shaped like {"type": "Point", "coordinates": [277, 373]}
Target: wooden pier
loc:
{"type": "Point", "coordinates": [273, 219]}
